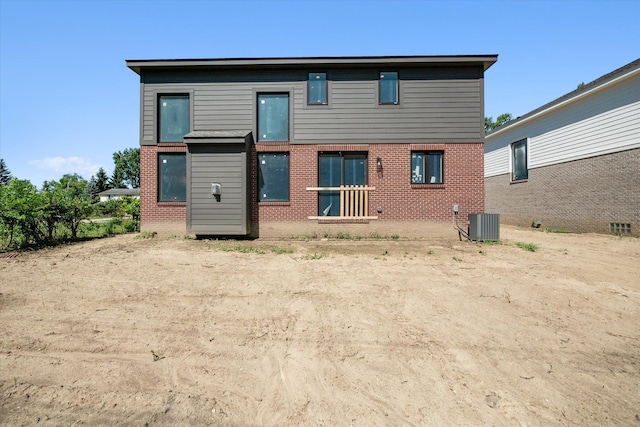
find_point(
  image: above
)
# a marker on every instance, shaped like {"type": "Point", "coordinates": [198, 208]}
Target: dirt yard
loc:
{"type": "Point", "coordinates": [326, 332]}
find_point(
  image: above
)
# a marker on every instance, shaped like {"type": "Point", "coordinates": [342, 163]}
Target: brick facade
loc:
{"type": "Point", "coordinates": [579, 196]}
{"type": "Point", "coordinates": [403, 208]}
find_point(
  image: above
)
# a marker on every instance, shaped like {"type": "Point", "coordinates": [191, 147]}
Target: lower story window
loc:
{"type": "Point", "coordinates": [519, 152]}
{"type": "Point", "coordinates": [426, 167]}
{"type": "Point", "coordinates": [172, 177]}
{"type": "Point", "coordinates": [336, 169]}
{"type": "Point", "coordinates": [273, 177]}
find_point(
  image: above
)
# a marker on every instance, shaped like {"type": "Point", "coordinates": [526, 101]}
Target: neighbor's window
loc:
{"type": "Point", "coordinates": [317, 89]}
{"type": "Point", "coordinates": [519, 153]}
{"type": "Point", "coordinates": [388, 88]}
{"type": "Point", "coordinates": [426, 167]}
{"type": "Point", "coordinates": [173, 117]}
{"type": "Point", "coordinates": [273, 117]}
{"type": "Point", "coordinates": [273, 180]}
{"type": "Point", "coordinates": [172, 177]}
{"type": "Point", "coordinates": [334, 170]}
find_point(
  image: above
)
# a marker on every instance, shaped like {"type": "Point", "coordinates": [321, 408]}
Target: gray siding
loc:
{"type": "Point", "coordinates": [226, 165]}
{"type": "Point", "coordinates": [436, 105]}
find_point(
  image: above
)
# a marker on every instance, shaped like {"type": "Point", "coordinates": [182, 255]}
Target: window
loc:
{"type": "Point", "coordinates": [388, 88]}
{"type": "Point", "coordinates": [519, 159]}
{"type": "Point", "coordinates": [273, 177]}
{"type": "Point", "coordinates": [426, 167]}
{"type": "Point", "coordinates": [336, 169]}
{"type": "Point", "coordinates": [273, 117]}
{"type": "Point", "coordinates": [172, 177]}
{"type": "Point", "coordinates": [317, 89]}
{"type": "Point", "coordinates": [173, 114]}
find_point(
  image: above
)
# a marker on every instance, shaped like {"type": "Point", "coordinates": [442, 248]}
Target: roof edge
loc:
{"type": "Point", "coordinates": [621, 73]}
{"type": "Point", "coordinates": [138, 64]}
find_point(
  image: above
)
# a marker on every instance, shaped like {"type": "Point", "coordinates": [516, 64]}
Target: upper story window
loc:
{"type": "Point", "coordinates": [317, 89]}
{"type": "Point", "coordinates": [520, 169]}
{"type": "Point", "coordinates": [173, 117]}
{"type": "Point", "coordinates": [172, 177]}
{"type": "Point", "coordinates": [273, 117]}
{"type": "Point", "coordinates": [426, 167]}
{"type": "Point", "coordinates": [388, 88]}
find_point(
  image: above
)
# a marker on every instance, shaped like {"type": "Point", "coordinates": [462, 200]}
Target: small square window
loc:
{"type": "Point", "coordinates": [426, 167]}
{"type": "Point", "coordinates": [519, 153]}
{"type": "Point", "coordinates": [317, 89]}
{"type": "Point", "coordinates": [273, 177]}
{"type": "Point", "coordinates": [273, 117]}
{"type": "Point", "coordinates": [388, 88]}
{"type": "Point", "coordinates": [173, 117]}
{"type": "Point", "coordinates": [172, 177]}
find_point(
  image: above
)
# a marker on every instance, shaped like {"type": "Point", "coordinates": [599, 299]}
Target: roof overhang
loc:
{"type": "Point", "coordinates": [217, 137]}
{"type": "Point", "coordinates": [486, 61]}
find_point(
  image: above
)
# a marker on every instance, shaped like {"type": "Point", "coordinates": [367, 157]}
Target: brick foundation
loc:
{"type": "Point", "coordinates": [579, 196]}
{"type": "Point", "coordinates": [402, 208]}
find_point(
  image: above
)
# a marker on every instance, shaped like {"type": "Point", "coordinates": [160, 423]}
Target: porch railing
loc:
{"type": "Point", "coordinates": [354, 202]}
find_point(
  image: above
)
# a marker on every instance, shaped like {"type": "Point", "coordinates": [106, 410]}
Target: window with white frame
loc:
{"type": "Point", "coordinates": [519, 161]}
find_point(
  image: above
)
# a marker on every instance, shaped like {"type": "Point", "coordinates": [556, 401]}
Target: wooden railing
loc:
{"type": "Point", "coordinates": [354, 201]}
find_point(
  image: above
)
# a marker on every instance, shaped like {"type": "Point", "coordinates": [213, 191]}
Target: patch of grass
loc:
{"type": "Point", "coordinates": [483, 253]}
{"type": "Point", "coordinates": [314, 256]}
{"type": "Point", "coordinates": [146, 235]}
{"type": "Point", "coordinates": [531, 247]}
{"type": "Point", "coordinates": [457, 259]}
{"type": "Point", "coordinates": [431, 252]}
{"type": "Point", "coordinates": [343, 235]}
{"type": "Point", "coordinates": [280, 251]}
{"type": "Point", "coordinates": [156, 356]}
{"type": "Point", "coordinates": [242, 249]}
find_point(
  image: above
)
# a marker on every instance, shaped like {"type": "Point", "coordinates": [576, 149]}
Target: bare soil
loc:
{"type": "Point", "coordinates": [325, 332]}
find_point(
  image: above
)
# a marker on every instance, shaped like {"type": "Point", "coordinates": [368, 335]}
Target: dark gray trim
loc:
{"type": "Point", "coordinates": [356, 61]}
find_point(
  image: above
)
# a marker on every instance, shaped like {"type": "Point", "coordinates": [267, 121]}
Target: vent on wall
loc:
{"type": "Point", "coordinates": [619, 228]}
{"type": "Point", "coordinates": [484, 227]}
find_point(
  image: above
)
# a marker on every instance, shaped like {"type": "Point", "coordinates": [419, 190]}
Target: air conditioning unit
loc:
{"type": "Point", "coordinates": [484, 227]}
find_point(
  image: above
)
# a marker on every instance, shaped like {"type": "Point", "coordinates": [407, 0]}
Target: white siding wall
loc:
{"type": "Point", "coordinates": [603, 122]}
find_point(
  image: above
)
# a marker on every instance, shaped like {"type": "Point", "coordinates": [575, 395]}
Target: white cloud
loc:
{"type": "Point", "coordinates": [62, 165]}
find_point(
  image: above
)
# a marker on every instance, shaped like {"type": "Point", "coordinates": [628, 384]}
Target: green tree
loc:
{"type": "Point", "coordinates": [489, 124]}
{"type": "Point", "coordinates": [127, 167]}
{"type": "Point", "coordinates": [5, 175]}
{"type": "Point", "coordinates": [102, 180]}
{"type": "Point", "coordinates": [20, 209]}
{"type": "Point", "coordinates": [73, 196]}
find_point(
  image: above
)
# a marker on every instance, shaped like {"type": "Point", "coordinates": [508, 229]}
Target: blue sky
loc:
{"type": "Point", "coordinates": [68, 102]}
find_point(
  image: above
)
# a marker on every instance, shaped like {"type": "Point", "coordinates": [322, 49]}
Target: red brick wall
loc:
{"type": "Point", "coordinates": [162, 217]}
{"type": "Point", "coordinates": [399, 200]}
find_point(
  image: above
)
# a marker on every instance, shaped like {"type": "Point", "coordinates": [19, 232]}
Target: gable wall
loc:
{"type": "Point", "coordinates": [605, 122]}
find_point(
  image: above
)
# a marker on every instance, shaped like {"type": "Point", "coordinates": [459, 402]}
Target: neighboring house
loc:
{"type": "Point", "coordinates": [116, 193]}
{"type": "Point", "coordinates": [292, 146]}
{"type": "Point", "coordinates": [574, 163]}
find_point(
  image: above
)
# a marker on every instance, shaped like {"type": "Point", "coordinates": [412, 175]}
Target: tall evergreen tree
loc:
{"type": "Point", "coordinates": [5, 174]}
{"type": "Point", "coordinates": [102, 180]}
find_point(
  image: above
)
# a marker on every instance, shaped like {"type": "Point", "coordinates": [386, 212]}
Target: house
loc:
{"type": "Point", "coordinates": [289, 146]}
{"type": "Point", "coordinates": [574, 163]}
{"type": "Point", "coordinates": [116, 193]}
